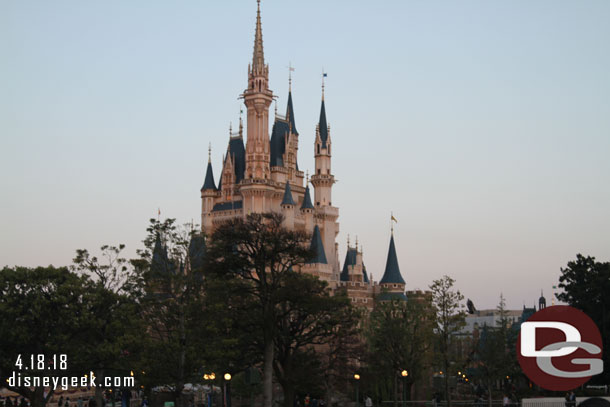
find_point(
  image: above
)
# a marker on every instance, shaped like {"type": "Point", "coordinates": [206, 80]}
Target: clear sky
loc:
{"type": "Point", "coordinates": [483, 125]}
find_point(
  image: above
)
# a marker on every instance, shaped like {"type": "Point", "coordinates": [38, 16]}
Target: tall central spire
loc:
{"type": "Point", "coordinates": [258, 59]}
{"type": "Point", "coordinates": [257, 98]}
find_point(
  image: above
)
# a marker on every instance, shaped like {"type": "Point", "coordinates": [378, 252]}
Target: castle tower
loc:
{"type": "Point", "coordinates": [392, 283]}
{"type": "Point", "coordinates": [541, 301]}
{"type": "Point", "coordinates": [257, 98]}
{"type": "Point", "coordinates": [284, 147]}
{"type": "Point", "coordinates": [287, 206]}
{"type": "Point", "coordinates": [318, 266]}
{"type": "Point", "coordinates": [208, 193]}
{"type": "Point", "coordinates": [307, 210]}
{"type": "Point", "coordinates": [323, 181]}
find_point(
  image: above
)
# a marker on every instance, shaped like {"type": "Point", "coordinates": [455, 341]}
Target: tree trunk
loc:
{"type": "Point", "coordinates": [288, 395]}
{"type": "Point", "coordinates": [395, 391]}
{"type": "Point", "coordinates": [268, 374]}
{"type": "Point", "coordinates": [408, 385]}
{"type": "Point", "coordinates": [447, 392]}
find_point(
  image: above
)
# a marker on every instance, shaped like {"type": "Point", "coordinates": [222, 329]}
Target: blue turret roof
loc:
{"type": "Point", "coordinates": [290, 114]}
{"type": "Point", "coordinates": [317, 247]}
{"type": "Point", "coordinates": [287, 196]}
{"type": "Point", "coordinates": [209, 178]}
{"type": "Point", "coordinates": [350, 260]}
{"type": "Point", "coordinates": [160, 263]}
{"type": "Point", "coordinates": [277, 144]}
{"type": "Point", "coordinates": [279, 132]}
{"type": "Point", "coordinates": [307, 204]}
{"type": "Point", "coordinates": [197, 251]}
{"type": "Point", "coordinates": [238, 154]}
{"type": "Point", "coordinates": [392, 274]}
{"type": "Point", "coordinates": [323, 125]}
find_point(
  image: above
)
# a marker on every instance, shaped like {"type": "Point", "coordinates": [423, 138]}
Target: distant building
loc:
{"type": "Point", "coordinates": [492, 318]}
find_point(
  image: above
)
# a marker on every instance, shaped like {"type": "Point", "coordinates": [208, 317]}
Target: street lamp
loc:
{"type": "Point", "coordinates": [357, 378]}
{"type": "Point", "coordinates": [404, 375]}
{"type": "Point", "coordinates": [227, 390]}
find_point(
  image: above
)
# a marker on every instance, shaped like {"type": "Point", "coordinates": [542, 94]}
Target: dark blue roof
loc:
{"type": "Point", "coordinates": [238, 155]}
{"type": "Point", "coordinates": [317, 247]}
{"type": "Point", "coordinates": [287, 195]}
{"type": "Point", "coordinates": [385, 296]}
{"type": "Point", "coordinates": [350, 260]}
{"type": "Point", "coordinates": [280, 130]}
{"type": "Point", "coordinates": [391, 274]}
{"type": "Point", "coordinates": [160, 263]}
{"type": "Point", "coordinates": [197, 251]}
{"type": "Point", "coordinates": [323, 125]}
{"type": "Point", "coordinates": [209, 178]}
{"type": "Point", "coordinates": [278, 142]}
{"type": "Point", "coordinates": [227, 206]}
{"type": "Point", "coordinates": [290, 114]}
{"type": "Point", "coordinates": [307, 200]}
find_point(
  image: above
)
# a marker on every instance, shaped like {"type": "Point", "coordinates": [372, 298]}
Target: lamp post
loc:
{"type": "Point", "coordinates": [357, 378]}
{"type": "Point", "coordinates": [404, 375]}
{"type": "Point", "coordinates": [210, 395]}
{"type": "Point", "coordinates": [227, 390]}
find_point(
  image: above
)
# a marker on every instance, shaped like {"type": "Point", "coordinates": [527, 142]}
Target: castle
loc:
{"type": "Point", "coordinates": [264, 176]}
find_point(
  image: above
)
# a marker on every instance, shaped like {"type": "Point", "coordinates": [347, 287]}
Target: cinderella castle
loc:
{"type": "Point", "coordinates": [263, 176]}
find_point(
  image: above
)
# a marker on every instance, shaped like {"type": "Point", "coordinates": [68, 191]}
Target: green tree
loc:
{"type": "Point", "coordinates": [586, 284]}
{"type": "Point", "coordinates": [307, 321]}
{"type": "Point", "coordinates": [257, 254]}
{"type": "Point", "coordinates": [42, 312]}
{"type": "Point", "coordinates": [450, 319]}
{"type": "Point", "coordinates": [493, 359]}
{"type": "Point", "coordinates": [114, 325]}
{"type": "Point", "coordinates": [172, 306]}
{"type": "Point", "coordinates": [399, 337]}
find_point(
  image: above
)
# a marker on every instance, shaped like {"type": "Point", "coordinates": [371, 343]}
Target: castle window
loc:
{"type": "Point", "coordinates": [318, 149]}
{"type": "Point", "coordinates": [319, 171]}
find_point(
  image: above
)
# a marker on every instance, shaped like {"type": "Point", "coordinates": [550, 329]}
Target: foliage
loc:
{"type": "Point", "coordinates": [450, 319]}
{"type": "Point", "coordinates": [257, 257]}
{"type": "Point", "coordinates": [172, 306]}
{"type": "Point", "coordinates": [586, 284]}
{"type": "Point", "coordinates": [43, 311]}
{"type": "Point", "coordinates": [399, 337]}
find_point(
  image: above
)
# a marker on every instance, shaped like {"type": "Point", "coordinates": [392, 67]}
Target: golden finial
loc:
{"type": "Point", "coordinates": [348, 240]}
{"type": "Point", "coordinates": [392, 221]}
{"type": "Point", "coordinates": [306, 177]}
{"type": "Point", "coordinates": [356, 242]}
{"type": "Point", "coordinates": [210, 152]}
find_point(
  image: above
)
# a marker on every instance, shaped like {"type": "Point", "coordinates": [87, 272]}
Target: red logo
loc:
{"type": "Point", "coordinates": [559, 348]}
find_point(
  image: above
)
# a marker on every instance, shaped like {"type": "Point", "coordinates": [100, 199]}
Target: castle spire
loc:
{"type": "Point", "coordinates": [322, 124]}
{"type": "Point", "coordinates": [392, 274]}
{"type": "Point", "coordinates": [258, 58]}
{"type": "Point", "coordinates": [208, 183]}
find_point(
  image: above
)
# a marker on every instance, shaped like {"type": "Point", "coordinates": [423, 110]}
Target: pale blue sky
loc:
{"type": "Point", "coordinates": [484, 125]}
